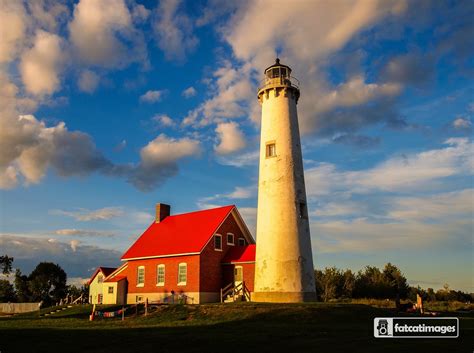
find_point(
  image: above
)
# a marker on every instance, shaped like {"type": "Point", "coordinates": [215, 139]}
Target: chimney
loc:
{"type": "Point", "coordinates": [162, 211]}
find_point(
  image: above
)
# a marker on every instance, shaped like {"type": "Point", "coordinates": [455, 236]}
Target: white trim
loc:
{"type": "Point", "coordinates": [138, 270]}
{"type": "Point", "coordinates": [179, 265]}
{"type": "Point", "coordinates": [160, 256]}
{"type": "Point", "coordinates": [117, 271]}
{"type": "Point", "coordinates": [243, 227]}
{"type": "Point", "coordinates": [233, 239]}
{"type": "Point", "coordinates": [215, 230]}
{"type": "Point", "coordinates": [160, 284]}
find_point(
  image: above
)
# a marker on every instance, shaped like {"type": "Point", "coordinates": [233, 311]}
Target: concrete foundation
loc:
{"type": "Point", "coordinates": [283, 297]}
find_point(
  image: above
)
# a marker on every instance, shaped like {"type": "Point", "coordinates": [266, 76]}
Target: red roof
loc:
{"type": "Point", "coordinates": [179, 234]}
{"type": "Point", "coordinates": [240, 254]}
{"type": "Point", "coordinates": [115, 279]}
{"type": "Point", "coordinates": [105, 271]}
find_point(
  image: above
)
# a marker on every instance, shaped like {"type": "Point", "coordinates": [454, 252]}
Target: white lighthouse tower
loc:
{"type": "Point", "coordinates": [284, 269]}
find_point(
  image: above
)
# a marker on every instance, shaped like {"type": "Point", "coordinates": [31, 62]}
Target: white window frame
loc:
{"type": "Point", "coordinates": [100, 278]}
{"type": "Point", "coordinates": [233, 239]}
{"type": "Point", "coordinates": [215, 237]}
{"type": "Point", "coordinates": [162, 283]}
{"type": "Point", "coordinates": [110, 288]}
{"type": "Point", "coordinates": [181, 265]}
{"type": "Point", "coordinates": [140, 284]}
{"type": "Point", "coordinates": [242, 239]}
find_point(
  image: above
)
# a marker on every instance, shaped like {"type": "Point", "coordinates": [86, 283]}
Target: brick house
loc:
{"type": "Point", "coordinates": [192, 255]}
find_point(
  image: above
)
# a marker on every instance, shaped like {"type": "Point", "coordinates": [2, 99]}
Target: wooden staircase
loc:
{"type": "Point", "coordinates": [233, 293]}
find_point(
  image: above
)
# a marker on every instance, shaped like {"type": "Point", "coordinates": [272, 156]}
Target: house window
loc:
{"type": "Point", "coordinates": [230, 239]}
{"type": "Point", "coordinates": [139, 299]}
{"type": "Point", "coordinates": [100, 279]}
{"type": "Point", "coordinates": [160, 275]}
{"type": "Point", "coordinates": [111, 290]}
{"type": "Point", "coordinates": [182, 274]}
{"type": "Point", "coordinates": [270, 149]}
{"type": "Point", "coordinates": [242, 242]}
{"type": "Point", "coordinates": [141, 276]}
{"type": "Point", "coordinates": [218, 242]}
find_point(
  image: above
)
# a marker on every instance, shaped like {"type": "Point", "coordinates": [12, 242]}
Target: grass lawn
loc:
{"type": "Point", "coordinates": [239, 327]}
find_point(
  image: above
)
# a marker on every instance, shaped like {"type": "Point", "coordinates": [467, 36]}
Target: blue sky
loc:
{"type": "Point", "coordinates": [111, 106]}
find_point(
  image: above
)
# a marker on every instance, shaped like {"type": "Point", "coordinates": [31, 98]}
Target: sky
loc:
{"type": "Point", "coordinates": [109, 107]}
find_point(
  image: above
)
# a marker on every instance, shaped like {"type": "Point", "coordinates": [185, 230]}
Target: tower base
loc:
{"type": "Point", "coordinates": [283, 297]}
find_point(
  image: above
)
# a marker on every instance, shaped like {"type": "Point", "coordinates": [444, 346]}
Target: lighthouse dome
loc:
{"type": "Point", "coordinates": [277, 70]}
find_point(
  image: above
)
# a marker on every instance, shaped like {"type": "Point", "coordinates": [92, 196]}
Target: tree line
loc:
{"type": "Point", "coordinates": [47, 283]}
{"type": "Point", "coordinates": [372, 282]}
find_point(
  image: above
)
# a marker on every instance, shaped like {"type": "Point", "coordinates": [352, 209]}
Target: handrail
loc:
{"type": "Point", "coordinates": [235, 290]}
{"type": "Point", "coordinates": [287, 80]}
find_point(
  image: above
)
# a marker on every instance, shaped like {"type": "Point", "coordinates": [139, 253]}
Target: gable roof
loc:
{"type": "Point", "coordinates": [105, 271]}
{"type": "Point", "coordinates": [115, 279]}
{"type": "Point", "coordinates": [240, 254]}
{"type": "Point", "coordinates": [181, 234]}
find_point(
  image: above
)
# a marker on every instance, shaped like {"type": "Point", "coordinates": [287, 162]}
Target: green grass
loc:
{"type": "Point", "coordinates": [235, 327]}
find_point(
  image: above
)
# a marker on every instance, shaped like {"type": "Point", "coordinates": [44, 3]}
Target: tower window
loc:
{"type": "Point", "coordinates": [270, 150]}
{"type": "Point", "coordinates": [303, 211]}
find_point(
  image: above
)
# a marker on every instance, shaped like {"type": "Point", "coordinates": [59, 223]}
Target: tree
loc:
{"type": "Point", "coordinates": [7, 292]}
{"type": "Point", "coordinates": [397, 283]}
{"type": "Point", "coordinates": [370, 283]}
{"type": "Point", "coordinates": [348, 284]}
{"type": "Point", "coordinates": [6, 264]}
{"type": "Point", "coordinates": [430, 295]}
{"type": "Point", "coordinates": [22, 290]}
{"type": "Point", "coordinates": [331, 283]}
{"type": "Point", "coordinates": [47, 283]}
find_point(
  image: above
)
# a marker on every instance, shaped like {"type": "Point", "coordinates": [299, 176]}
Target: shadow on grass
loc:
{"type": "Point", "coordinates": [233, 328]}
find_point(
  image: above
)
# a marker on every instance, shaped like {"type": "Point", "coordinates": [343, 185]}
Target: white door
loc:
{"type": "Point", "coordinates": [238, 275]}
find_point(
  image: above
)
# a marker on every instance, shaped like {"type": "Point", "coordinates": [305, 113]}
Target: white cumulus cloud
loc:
{"type": "Point", "coordinates": [174, 30]}
{"type": "Point", "coordinates": [88, 81]}
{"type": "Point", "coordinates": [152, 96]}
{"type": "Point", "coordinates": [40, 66]}
{"type": "Point", "coordinates": [103, 34]}
{"type": "Point", "coordinates": [231, 138]}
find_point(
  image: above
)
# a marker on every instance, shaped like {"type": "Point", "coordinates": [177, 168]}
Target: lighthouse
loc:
{"type": "Point", "coordinates": [284, 269]}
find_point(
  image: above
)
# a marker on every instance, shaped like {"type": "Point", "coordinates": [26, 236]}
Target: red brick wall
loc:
{"type": "Point", "coordinates": [171, 275]}
{"type": "Point", "coordinates": [249, 274]}
{"type": "Point", "coordinates": [211, 269]}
